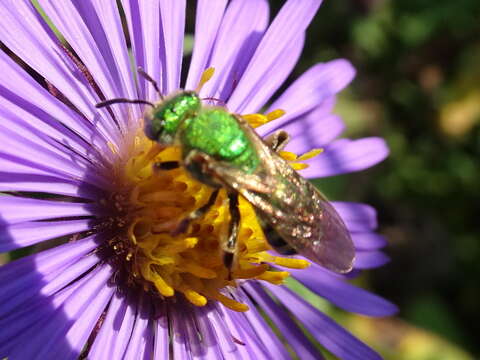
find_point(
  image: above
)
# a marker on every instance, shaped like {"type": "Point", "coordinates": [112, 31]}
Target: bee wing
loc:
{"type": "Point", "coordinates": [296, 210]}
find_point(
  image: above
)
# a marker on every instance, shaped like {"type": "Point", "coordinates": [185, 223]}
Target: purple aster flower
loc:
{"type": "Point", "coordinates": [106, 279]}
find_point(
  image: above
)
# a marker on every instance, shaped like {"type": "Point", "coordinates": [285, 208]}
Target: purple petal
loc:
{"type": "Point", "coordinates": [194, 344]}
{"type": "Point", "coordinates": [67, 331]}
{"type": "Point", "coordinates": [368, 241]}
{"type": "Point", "coordinates": [15, 209]}
{"type": "Point", "coordinates": [23, 134]}
{"type": "Point", "coordinates": [287, 327]}
{"type": "Point", "coordinates": [25, 291]}
{"type": "Point", "coordinates": [312, 132]}
{"type": "Point", "coordinates": [345, 156]}
{"type": "Point", "coordinates": [240, 32]}
{"type": "Point", "coordinates": [277, 74]}
{"type": "Point", "coordinates": [208, 18]}
{"type": "Point", "coordinates": [24, 234]}
{"type": "Point", "coordinates": [370, 259]}
{"type": "Point", "coordinates": [17, 325]}
{"type": "Point", "coordinates": [180, 341]}
{"type": "Point", "coordinates": [19, 155]}
{"type": "Point", "coordinates": [72, 26]}
{"type": "Point", "coordinates": [26, 272]}
{"type": "Point", "coordinates": [162, 339]}
{"type": "Point", "coordinates": [103, 20]}
{"type": "Point", "coordinates": [241, 329]}
{"type": "Point", "coordinates": [23, 117]}
{"type": "Point", "coordinates": [122, 327]}
{"type": "Point", "coordinates": [102, 347]}
{"type": "Point", "coordinates": [222, 332]}
{"type": "Point", "coordinates": [25, 95]}
{"type": "Point", "coordinates": [143, 19]}
{"type": "Point", "coordinates": [212, 341]}
{"type": "Point", "coordinates": [20, 166]}
{"type": "Point", "coordinates": [288, 25]}
{"type": "Point", "coordinates": [343, 294]}
{"type": "Point", "coordinates": [275, 347]}
{"type": "Point", "coordinates": [332, 336]}
{"type": "Point", "coordinates": [172, 14]}
{"type": "Point", "coordinates": [16, 145]}
{"type": "Point", "coordinates": [23, 33]}
{"type": "Point", "coordinates": [62, 254]}
{"type": "Point", "coordinates": [142, 336]}
{"type": "Point", "coordinates": [319, 112]}
{"type": "Point", "coordinates": [30, 111]}
{"type": "Point", "coordinates": [316, 88]}
{"type": "Point", "coordinates": [10, 181]}
{"type": "Point", "coordinates": [357, 217]}
{"type": "Point", "coordinates": [79, 333]}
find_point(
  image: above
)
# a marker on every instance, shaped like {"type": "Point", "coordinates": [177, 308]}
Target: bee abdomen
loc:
{"type": "Point", "coordinates": [276, 241]}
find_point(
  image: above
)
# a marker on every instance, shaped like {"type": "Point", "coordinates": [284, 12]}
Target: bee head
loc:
{"type": "Point", "coordinates": [163, 121]}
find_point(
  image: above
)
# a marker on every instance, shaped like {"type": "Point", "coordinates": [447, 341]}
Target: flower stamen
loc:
{"type": "Point", "coordinates": [206, 76]}
{"type": "Point", "coordinates": [293, 158]}
{"type": "Point", "coordinates": [256, 120]}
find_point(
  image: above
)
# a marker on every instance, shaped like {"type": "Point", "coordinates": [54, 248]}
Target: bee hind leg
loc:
{"type": "Point", "coordinates": [278, 140]}
{"type": "Point", "coordinates": [275, 240]}
{"type": "Point", "coordinates": [194, 215]}
{"type": "Point", "coordinates": [230, 245]}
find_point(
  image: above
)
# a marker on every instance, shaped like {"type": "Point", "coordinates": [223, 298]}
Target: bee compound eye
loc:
{"type": "Point", "coordinates": [149, 131]}
{"type": "Point", "coordinates": [152, 132]}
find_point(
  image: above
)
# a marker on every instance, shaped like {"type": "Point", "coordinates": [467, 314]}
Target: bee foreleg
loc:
{"type": "Point", "coordinates": [194, 215]}
{"type": "Point", "coordinates": [230, 244]}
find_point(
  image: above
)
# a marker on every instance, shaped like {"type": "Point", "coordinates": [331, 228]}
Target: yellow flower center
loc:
{"type": "Point", "coordinates": [152, 204]}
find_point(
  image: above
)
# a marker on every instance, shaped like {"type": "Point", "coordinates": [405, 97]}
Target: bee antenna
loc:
{"type": "Point", "coordinates": [122, 101]}
{"type": "Point", "coordinates": [151, 80]}
{"type": "Point", "coordinates": [220, 101]}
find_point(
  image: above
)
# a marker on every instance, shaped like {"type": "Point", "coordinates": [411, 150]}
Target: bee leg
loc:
{"type": "Point", "coordinates": [276, 241]}
{"type": "Point", "coordinates": [183, 225]}
{"type": "Point", "coordinates": [278, 140]}
{"type": "Point", "coordinates": [166, 165]}
{"type": "Point", "coordinates": [231, 243]}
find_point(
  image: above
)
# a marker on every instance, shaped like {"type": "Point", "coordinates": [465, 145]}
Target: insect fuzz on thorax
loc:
{"type": "Point", "coordinates": [221, 150]}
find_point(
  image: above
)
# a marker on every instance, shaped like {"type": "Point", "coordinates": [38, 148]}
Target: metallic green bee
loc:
{"type": "Point", "coordinates": [221, 150]}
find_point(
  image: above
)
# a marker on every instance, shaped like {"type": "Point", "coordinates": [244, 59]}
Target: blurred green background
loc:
{"type": "Point", "coordinates": [418, 64]}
